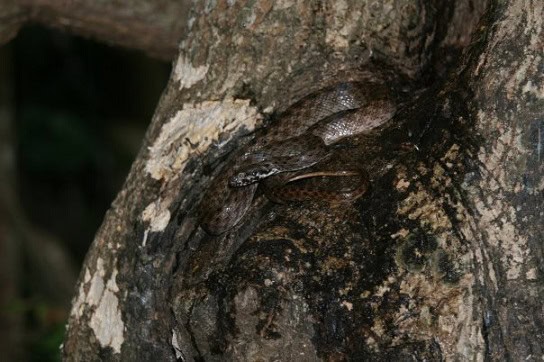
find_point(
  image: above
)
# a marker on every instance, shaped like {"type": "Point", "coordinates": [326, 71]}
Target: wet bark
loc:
{"type": "Point", "coordinates": [441, 260]}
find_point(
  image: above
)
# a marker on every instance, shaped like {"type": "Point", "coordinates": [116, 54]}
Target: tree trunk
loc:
{"type": "Point", "coordinates": [442, 259]}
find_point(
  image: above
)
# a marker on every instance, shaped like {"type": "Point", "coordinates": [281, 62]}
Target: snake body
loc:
{"type": "Point", "coordinates": [283, 188]}
{"type": "Point", "coordinates": [298, 140]}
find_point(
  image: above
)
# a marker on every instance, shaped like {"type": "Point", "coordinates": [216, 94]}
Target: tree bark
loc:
{"type": "Point", "coordinates": [442, 260]}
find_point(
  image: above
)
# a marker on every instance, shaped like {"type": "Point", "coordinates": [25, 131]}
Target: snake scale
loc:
{"type": "Point", "coordinates": [299, 139]}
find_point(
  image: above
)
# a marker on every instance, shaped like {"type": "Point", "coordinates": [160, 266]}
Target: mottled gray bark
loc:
{"type": "Point", "coordinates": [442, 260]}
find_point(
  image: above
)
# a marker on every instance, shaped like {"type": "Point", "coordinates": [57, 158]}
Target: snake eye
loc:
{"type": "Point", "coordinates": [238, 180]}
{"type": "Point", "coordinates": [254, 173]}
{"type": "Point", "coordinates": [244, 178]}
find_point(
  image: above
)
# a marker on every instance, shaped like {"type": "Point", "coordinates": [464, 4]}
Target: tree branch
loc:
{"type": "Point", "coordinates": [155, 28]}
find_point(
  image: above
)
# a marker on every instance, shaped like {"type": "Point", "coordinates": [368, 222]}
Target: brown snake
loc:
{"type": "Point", "coordinates": [298, 140]}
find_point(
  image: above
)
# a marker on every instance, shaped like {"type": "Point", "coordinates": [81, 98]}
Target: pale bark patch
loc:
{"type": "Point", "coordinates": [186, 74]}
{"type": "Point", "coordinates": [157, 216]}
{"type": "Point", "coordinates": [193, 129]}
{"type": "Point", "coordinates": [498, 219]}
{"type": "Point", "coordinates": [427, 209]}
{"type": "Point", "coordinates": [105, 321]}
{"type": "Point", "coordinates": [339, 29]}
{"type": "Point", "coordinates": [176, 346]}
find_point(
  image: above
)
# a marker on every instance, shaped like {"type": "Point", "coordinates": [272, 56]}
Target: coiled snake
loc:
{"type": "Point", "coordinates": [300, 138]}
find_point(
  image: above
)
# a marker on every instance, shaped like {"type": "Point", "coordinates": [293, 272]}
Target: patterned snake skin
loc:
{"type": "Point", "coordinates": [298, 140]}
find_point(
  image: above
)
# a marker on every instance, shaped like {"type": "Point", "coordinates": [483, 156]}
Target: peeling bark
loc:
{"type": "Point", "coordinates": [442, 260]}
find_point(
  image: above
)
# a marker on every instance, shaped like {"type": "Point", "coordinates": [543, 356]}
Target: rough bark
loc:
{"type": "Point", "coordinates": [443, 260]}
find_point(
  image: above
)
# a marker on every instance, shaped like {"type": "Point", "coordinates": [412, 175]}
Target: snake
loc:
{"type": "Point", "coordinates": [302, 137]}
{"type": "Point", "coordinates": [281, 189]}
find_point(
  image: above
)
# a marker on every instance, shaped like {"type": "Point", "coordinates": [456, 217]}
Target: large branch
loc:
{"type": "Point", "coordinates": [154, 27]}
{"type": "Point", "coordinates": [504, 183]}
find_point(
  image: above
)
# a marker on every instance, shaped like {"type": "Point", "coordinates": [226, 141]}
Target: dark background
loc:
{"type": "Point", "coordinates": [81, 110]}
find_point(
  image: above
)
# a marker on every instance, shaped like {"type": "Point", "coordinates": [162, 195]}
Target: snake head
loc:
{"type": "Point", "coordinates": [253, 173]}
